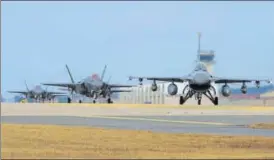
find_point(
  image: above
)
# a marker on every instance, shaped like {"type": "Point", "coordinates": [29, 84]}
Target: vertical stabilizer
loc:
{"type": "Point", "coordinates": [26, 86]}
{"type": "Point", "coordinates": [199, 46]}
{"type": "Point", "coordinates": [71, 78]}
{"type": "Point", "coordinates": [109, 79]}
{"type": "Point", "coordinates": [103, 73]}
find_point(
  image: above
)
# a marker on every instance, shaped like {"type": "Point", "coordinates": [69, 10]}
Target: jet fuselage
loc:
{"type": "Point", "coordinates": [201, 81]}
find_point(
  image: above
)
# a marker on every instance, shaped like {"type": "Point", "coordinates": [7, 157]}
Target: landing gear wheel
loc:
{"type": "Point", "coordinates": [69, 100]}
{"type": "Point", "coordinates": [181, 101]}
{"type": "Point", "coordinates": [80, 101]}
{"type": "Point", "coordinates": [216, 101]}
{"type": "Point", "coordinates": [199, 102]}
{"type": "Point", "coordinates": [109, 100]}
{"type": "Point", "coordinates": [94, 101]}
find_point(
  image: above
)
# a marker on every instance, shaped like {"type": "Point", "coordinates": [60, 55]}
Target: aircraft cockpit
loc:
{"type": "Point", "coordinates": [200, 67]}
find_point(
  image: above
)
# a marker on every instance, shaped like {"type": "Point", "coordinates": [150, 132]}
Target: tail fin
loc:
{"type": "Point", "coordinates": [107, 86]}
{"type": "Point", "coordinates": [109, 79]}
{"type": "Point", "coordinates": [103, 73]}
{"type": "Point", "coordinates": [26, 86]}
{"type": "Point", "coordinates": [46, 89]}
{"type": "Point", "coordinates": [71, 78]}
{"type": "Point", "coordinates": [199, 46]}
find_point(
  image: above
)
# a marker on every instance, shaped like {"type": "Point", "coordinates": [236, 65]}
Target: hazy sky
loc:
{"type": "Point", "coordinates": [133, 38]}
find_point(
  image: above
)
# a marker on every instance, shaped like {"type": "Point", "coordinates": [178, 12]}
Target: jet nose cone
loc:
{"type": "Point", "coordinates": [201, 78]}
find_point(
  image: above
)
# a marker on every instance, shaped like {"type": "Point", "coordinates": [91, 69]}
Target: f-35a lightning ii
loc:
{"type": "Point", "coordinates": [38, 93]}
{"type": "Point", "coordinates": [93, 86]}
{"type": "Point", "coordinates": [199, 82]}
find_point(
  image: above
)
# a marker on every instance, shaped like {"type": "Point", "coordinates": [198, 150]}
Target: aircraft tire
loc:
{"type": "Point", "coordinates": [199, 102]}
{"type": "Point", "coordinates": [216, 101]}
{"type": "Point", "coordinates": [94, 101]}
{"type": "Point", "coordinates": [181, 101]}
{"type": "Point", "coordinates": [69, 100]}
{"type": "Point", "coordinates": [109, 100]}
{"type": "Point", "coordinates": [80, 101]}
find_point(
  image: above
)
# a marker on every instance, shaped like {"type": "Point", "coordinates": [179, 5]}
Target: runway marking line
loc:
{"type": "Point", "coordinates": [163, 120]}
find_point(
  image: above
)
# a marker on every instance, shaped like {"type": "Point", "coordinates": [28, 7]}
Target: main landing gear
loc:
{"type": "Point", "coordinates": [69, 100]}
{"type": "Point", "coordinates": [198, 96]}
{"type": "Point", "coordinates": [214, 100]}
{"type": "Point", "coordinates": [109, 100]}
{"type": "Point", "coordinates": [184, 99]}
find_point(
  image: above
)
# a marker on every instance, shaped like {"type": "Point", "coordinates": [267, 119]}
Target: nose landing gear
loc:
{"type": "Point", "coordinates": [199, 98]}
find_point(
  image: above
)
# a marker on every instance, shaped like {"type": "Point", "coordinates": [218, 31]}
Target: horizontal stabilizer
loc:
{"type": "Point", "coordinates": [20, 92]}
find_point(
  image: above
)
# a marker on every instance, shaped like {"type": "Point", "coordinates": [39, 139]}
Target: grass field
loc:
{"type": "Point", "coordinates": [48, 141]}
{"type": "Point", "coordinates": [262, 126]}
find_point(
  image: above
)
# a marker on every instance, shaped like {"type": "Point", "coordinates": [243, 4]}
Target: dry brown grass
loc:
{"type": "Point", "coordinates": [48, 141]}
{"type": "Point", "coordinates": [262, 126]}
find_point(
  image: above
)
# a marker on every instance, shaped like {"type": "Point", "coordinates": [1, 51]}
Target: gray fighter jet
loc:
{"type": "Point", "coordinates": [200, 82]}
{"type": "Point", "coordinates": [38, 93]}
{"type": "Point", "coordinates": [93, 86]}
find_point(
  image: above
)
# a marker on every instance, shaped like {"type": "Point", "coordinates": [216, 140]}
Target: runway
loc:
{"type": "Point", "coordinates": [172, 120]}
{"type": "Point", "coordinates": [224, 125]}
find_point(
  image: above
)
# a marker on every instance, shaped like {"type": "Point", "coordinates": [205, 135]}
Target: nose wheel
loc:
{"type": "Point", "coordinates": [199, 98]}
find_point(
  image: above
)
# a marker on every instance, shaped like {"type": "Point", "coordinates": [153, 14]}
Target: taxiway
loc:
{"type": "Point", "coordinates": [163, 119]}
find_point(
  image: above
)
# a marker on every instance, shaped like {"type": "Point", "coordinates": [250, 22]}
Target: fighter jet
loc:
{"type": "Point", "coordinates": [38, 93]}
{"type": "Point", "coordinates": [200, 82]}
{"type": "Point", "coordinates": [92, 86]}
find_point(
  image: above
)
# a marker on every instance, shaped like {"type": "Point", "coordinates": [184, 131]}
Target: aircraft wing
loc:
{"type": "Point", "coordinates": [119, 86]}
{"type": "Point", "coordinates": [20, 92]}
{"type": "Point", "coordinates": [117, 91]}
{"type": "Point", "coordinates": [237, 80]}
{"type": "Point", "coordinates": [68, 85]}
{"type": "Point", "coordinates": [56, 93]}
{"type": "Point", "coordinates": [164, 79]}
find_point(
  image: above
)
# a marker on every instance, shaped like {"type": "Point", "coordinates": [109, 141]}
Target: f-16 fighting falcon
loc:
{"type": "Point", "coordinates": [92, 86]}
{"type": "Point", "coordinates": [199, 82]}
{"type": "Point", "coordinates": [38, 93]}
